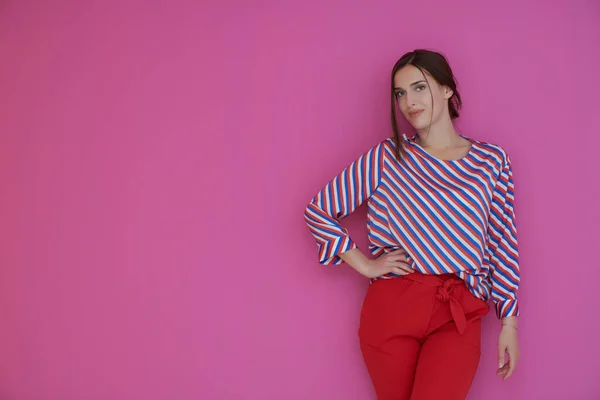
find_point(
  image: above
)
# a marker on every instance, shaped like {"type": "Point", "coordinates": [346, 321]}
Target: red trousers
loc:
{"type": "Point", "coordinates": [420, 337]}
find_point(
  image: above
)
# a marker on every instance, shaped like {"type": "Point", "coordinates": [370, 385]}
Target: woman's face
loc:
{"type": "Point", "coordinates": [414, 96]}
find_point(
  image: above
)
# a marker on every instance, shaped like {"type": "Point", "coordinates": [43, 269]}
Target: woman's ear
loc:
{"type": "Point", "coordinates": [448, 92]}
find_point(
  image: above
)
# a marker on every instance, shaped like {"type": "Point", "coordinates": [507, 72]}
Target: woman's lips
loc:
{"type": "Point", "coordinates": [414, 114]}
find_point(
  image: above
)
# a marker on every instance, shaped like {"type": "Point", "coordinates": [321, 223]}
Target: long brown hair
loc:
{"type": "Point", "coordinates": [437, 66]}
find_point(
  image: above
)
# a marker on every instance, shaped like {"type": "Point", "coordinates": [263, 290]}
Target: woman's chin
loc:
{"type": "Point", "coordinates": [419, 125]}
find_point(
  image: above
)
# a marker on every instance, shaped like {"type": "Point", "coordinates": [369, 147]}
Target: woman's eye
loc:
{"type": "Point", "coordinates": [420, 87]}
{"type": "Point", "coordinates": [399, 94]}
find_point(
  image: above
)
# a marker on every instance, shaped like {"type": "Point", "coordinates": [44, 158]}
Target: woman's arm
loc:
{"type": "Point", "coordinates": [340, 197]}
{"type": "Point", "coordinates": [502, 246]}
{"type": "Point", "coordinates": [504, 268]}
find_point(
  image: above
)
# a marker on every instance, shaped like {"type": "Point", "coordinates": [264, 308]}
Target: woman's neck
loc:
{"type": "Point", "coordinates": [441, 135]}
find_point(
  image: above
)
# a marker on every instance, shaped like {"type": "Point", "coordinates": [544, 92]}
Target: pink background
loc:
{"type": "Point", "coordinates": [156, 158]}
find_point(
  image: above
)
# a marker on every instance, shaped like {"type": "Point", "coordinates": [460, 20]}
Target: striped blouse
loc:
{"type": "Point", "coordinates": [451, 216]}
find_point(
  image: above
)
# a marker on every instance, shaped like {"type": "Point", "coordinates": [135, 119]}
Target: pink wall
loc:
{"type": "Point", "coordinates": [157, 158]}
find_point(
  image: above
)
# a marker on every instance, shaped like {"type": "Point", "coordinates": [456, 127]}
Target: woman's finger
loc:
{"type": "Point", "coordinates": [501, 355]}
{"type": "Point", "coordinates": [399, 251]}
{"type": "Point", "coordinates": [397, 258]}
{"type": "Point", "coordinates": [404, 266]}
{"type": "Point", "coordinates": [512, 361]}
{"type": "Point", "coordinates": [400, 271]}
{"type": "Point", "coordinates": [396, 263]}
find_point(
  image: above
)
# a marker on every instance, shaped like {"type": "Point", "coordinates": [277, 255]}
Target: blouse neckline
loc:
{"type": "Point", "coordinates": [424, 153]}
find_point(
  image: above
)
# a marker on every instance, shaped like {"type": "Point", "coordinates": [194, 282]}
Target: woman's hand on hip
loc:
{"type": "Point", "coordinates": [392, 262]}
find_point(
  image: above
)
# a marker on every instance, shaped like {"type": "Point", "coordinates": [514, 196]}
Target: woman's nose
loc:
{"type": "Point", "coordinates": [409, 99]}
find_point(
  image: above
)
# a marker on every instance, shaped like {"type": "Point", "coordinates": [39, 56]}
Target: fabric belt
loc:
{"type": "Point", "coordinates": [444, 293]}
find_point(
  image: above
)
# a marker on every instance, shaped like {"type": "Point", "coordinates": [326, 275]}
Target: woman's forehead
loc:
{"type": "Point", "coordinates": [408, 75]}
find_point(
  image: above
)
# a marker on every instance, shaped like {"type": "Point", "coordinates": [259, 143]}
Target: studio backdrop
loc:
{"type": "Point", "coordinates": [157, 157]}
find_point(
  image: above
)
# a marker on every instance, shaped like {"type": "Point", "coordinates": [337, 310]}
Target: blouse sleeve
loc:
{"type": "Point", "coordinates": [502, 245]}
{"type": "Point", "coordinates": [340, 197]}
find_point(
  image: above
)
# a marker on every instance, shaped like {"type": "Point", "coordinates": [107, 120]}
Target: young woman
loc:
{"type": "Point", "coordinates": [442, 237]}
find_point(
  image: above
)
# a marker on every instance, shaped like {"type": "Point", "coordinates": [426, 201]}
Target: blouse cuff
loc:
{"type": "Point", "coordinates": [329, 252]}
{"type": "Point", "coordinates": [507, 308]}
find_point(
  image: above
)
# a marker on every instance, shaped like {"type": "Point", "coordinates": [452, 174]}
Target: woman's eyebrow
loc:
{"type": "Point", "coordinates": [412, 84]}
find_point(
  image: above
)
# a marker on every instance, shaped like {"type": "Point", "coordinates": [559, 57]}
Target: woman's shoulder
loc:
{"type": "Point", "coordinates": [389, 143]}
{"type": "Point", "coordinates": [493, 150]}
{"type": "Point", "coordinates": [383, 145]}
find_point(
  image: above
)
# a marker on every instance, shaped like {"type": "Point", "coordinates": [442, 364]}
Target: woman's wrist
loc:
{"type": "Point", "coordinates": [510, 321]}
{"type": "Point", "coordinates": [356, 260]}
